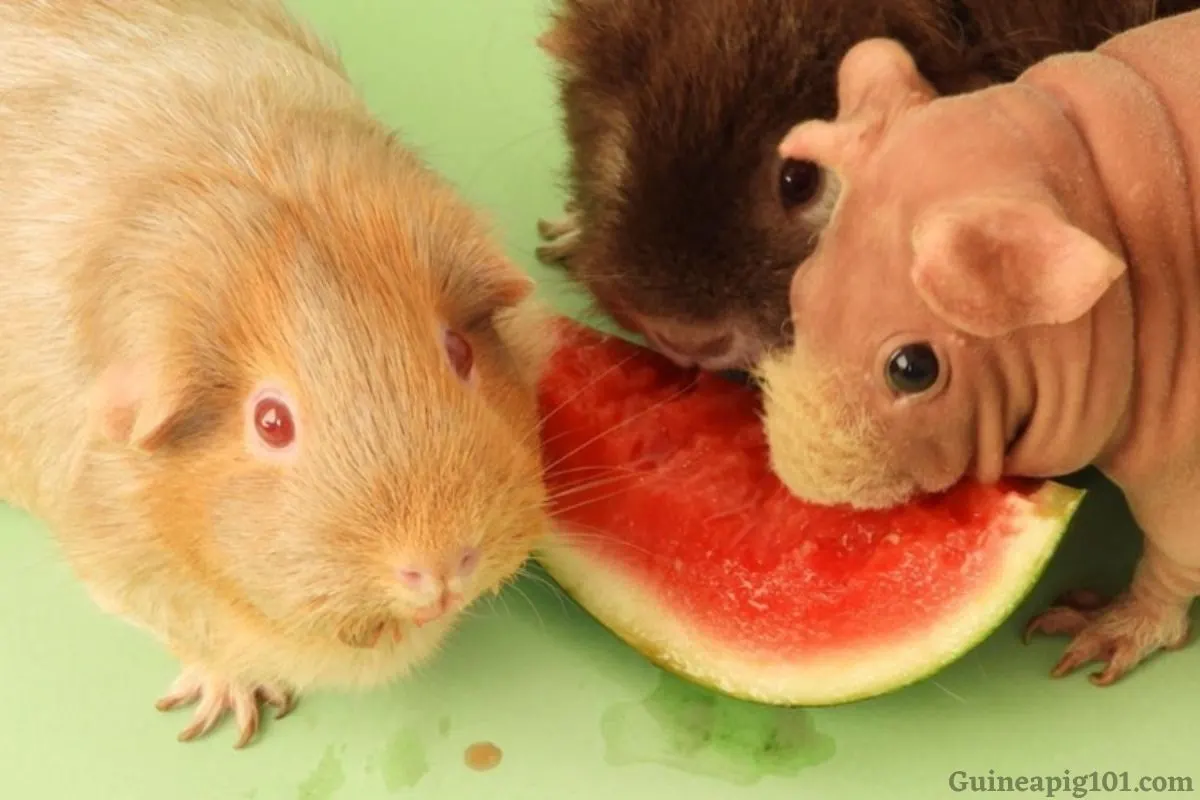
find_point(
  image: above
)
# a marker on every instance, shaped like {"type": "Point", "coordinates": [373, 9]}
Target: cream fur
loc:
{"type": "Point", "coordinates": [194, 199]}
{"type": "Point", "coordinates": [821, 442]}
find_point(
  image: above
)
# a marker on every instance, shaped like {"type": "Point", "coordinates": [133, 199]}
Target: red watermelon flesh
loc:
{"type": "Point", "coordinates": [674, 533]}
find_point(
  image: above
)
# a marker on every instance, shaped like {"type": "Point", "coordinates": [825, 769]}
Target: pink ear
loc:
{"type": "Point", "coordinates": [877, 78]}
{"type": "Point", "coordinates": [129, 407]}
{"type": "Point", "coordinates": [477, 295]}
{"type": "Point", "coordinates": [878, 75]}
{"type": "Point", "coordinates": [504, 286]}
{"type": "Point", "coordinates": [992, 266]}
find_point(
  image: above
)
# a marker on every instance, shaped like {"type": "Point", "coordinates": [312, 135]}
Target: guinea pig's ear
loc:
{"type": "Point", "coordinates": [877, 76]}
{"type": "Point", "coordinates": [489, 288]}
{"type": "Point", "coordinates": [130, 406]}
{"type": "Point", "coordinates": [991, 266]}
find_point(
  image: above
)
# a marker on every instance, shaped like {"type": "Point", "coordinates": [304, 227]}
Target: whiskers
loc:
{"type": "Point", "coordinates": [619, 478]}
{"type": "Point", "coordinates": [582, 390]}
{"type": "Point", "coordinates": [584, 534]}
{"type": "Point", "coordinates": [661, 403]}
{"type": "Point", "coordinates": [513, 586]}
{"type": "Point", "coordinates": [516, 587]}
{"type": "Point", "coordinates": [526, 573]}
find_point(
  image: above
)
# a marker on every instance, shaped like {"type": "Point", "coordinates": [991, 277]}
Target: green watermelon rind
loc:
{"type": "Point", "coordinates": [1039, 522]}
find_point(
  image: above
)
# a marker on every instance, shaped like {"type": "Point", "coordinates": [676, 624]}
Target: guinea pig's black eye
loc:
{"type": "Point", "coordinates": [799, 182]}
{"type": "Point", "coordinates": [912, 369]}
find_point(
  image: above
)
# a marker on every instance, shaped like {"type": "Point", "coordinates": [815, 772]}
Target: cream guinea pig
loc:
{"type": "Point", "coordinates": [265, 376]}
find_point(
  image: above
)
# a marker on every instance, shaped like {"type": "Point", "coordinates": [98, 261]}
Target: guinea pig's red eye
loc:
{"type": "Point", "coordinates": [274, 423]}
{"type": "Point", "coordinates": [458, 351]}
{"type": "Point", "coordinates": [799, 182]}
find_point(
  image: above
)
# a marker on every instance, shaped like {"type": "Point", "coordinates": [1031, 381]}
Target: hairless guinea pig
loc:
{"type": "Point", "coordinates": [1033, 263]}
{"type": "Point", "coordinates": [264, 375]}
{"type": "Point", "coordinates": [683, 221]}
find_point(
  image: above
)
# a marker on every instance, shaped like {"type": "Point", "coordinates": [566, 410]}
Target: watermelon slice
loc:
{"type": "Point", "coordinates": [673, 532]}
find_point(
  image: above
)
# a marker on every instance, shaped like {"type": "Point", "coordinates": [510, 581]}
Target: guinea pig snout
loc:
{"type": "Point", "coordinates": [825, 444]}
{"type": "Point", "coordinates": [433, 589]}
{"type": "Point", "coordinates": [716, 346]}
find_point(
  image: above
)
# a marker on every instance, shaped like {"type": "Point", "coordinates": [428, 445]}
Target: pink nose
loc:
{"type": "Point", "coordinates": [421, 579]}
{"type": "Point", "coordinates": [414, 578]}
{"type": "Point", "coordinates": [438, 591]}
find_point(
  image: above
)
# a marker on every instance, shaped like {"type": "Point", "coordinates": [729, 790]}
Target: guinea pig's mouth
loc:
{"type": "Point", "coordinates": [712, 347]}
{"type": "Point", "coordinates": [825, 448]}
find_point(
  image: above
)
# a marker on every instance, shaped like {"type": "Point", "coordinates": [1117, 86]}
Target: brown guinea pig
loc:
{"type": "Point", "coordinates": [264, 375]}
{"type": "Point", "coordinates": [683, 223]}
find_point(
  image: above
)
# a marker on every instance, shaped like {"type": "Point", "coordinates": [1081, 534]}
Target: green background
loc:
{"type": "Point", "coordinates": [576, 713]}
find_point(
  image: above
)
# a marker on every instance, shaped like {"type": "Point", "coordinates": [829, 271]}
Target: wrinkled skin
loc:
{"type": "Point", "coordinates": [1009, 237]}
{"type": "Point", "coordinates": [682, 222]}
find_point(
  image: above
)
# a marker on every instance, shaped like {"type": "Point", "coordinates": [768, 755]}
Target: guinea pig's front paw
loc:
{"type": "Point", "coordinates": [1121, 633]}
{"type": "Point", "coordinates": [216, 696]}
{"type": "Point", "coordinates": [561, 237]}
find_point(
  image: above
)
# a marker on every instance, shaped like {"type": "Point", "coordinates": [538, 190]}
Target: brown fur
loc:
{"type": "Point", "coordinates": [672, 111]}
{"type": "Point", "coordinates": [192, 200]}
{"type": "Point", "coordinates": [1048, 252]}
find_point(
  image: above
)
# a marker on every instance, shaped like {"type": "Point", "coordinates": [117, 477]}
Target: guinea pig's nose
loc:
{"type": "Point", "coordinates": [701, 349]}
{"type": "Point", "coordinates": [416, 579]}
{"type": "Point", "coordinates": [422, 581]}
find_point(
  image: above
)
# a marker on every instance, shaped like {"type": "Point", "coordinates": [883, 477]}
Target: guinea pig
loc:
{"type": "Point", "coordinates": [266, 377]}
{"type": "Point", "coordinates": [683, 224]}
{"type": "Point", "coordinates": [1034, 293]}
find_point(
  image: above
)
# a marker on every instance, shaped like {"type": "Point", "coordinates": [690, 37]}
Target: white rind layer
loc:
{"type": "Point", "coordinates": [635, 615]}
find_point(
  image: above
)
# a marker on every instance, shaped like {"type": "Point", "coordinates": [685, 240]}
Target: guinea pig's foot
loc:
{"type": "Point", "coordinates": [561, 236]}
{"type": "Point", "coordinates": [1121, 633]}
{"type": "Point", "coordinates": [216, 697]}
{"type": "Point", "coordinates": [1069, 615]}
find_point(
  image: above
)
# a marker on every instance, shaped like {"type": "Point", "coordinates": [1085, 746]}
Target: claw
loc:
{"type": "Point", "coordinates": [1069, 615]}
{"type": "Point", "coordinates": [554, 228]}
{"type": "Point", "coordinates": [283, 701]}
{"type": "Point", "coordinates": [217, 697]}
{"type": "Point", "coordinates": [183, 692]}
{"type": "Point", "coordinates": [1073, 658]}
{"type": "Point", "coordinates": [561, 237]}
{"type": "Point", "coordinates": [1120, 633]}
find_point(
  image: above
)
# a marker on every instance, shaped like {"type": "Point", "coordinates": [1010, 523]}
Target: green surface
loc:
{"type": "Point", "coordinates": [577, 714]}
